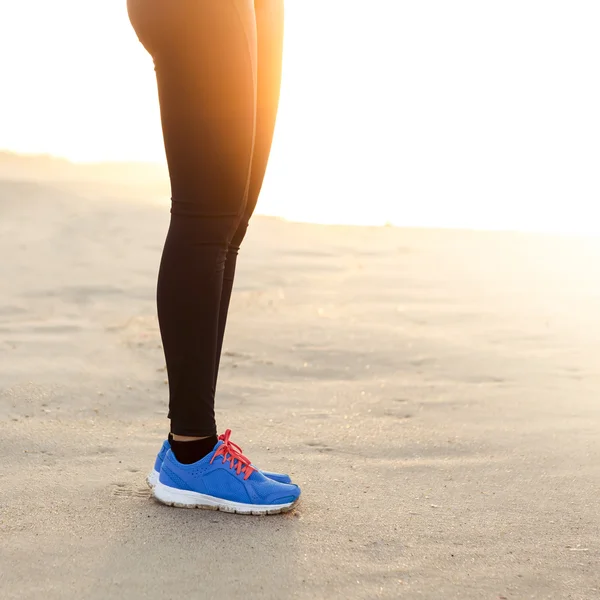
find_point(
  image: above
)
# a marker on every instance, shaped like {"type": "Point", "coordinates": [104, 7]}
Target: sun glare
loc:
{"type": "Point", "coordinates": [462, 114]}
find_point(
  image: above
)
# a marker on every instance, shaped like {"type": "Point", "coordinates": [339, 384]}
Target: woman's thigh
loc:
{"type": "Point", "coordinates": [205, 58]}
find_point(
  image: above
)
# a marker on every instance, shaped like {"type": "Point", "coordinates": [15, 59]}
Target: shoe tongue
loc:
{"type": "Point", "coordinates": [227, 453]}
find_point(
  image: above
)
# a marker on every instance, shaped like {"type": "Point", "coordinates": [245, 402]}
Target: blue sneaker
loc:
{"type": "Point", "coordinates": [152, 478]}
{"type": "Point", "coordinates": [223, 480]}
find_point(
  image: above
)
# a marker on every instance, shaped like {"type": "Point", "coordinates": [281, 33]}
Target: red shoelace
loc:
{"type": "Point", "coordinates": [231, 453]}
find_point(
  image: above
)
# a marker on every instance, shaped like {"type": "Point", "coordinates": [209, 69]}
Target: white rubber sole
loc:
{"type": "Point", "coordinates": [186, 499]}
{"type": "Point", "coordinates": [152, 479]}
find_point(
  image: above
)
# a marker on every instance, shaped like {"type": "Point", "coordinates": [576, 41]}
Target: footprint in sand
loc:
{"type": "Point", "coordinates": [125, 490]}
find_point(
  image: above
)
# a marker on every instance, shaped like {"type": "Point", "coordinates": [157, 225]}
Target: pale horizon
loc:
{"type": "Point", "coordinates": [469, 115]}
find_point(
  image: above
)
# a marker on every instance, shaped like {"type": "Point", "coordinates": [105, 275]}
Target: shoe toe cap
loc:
{"type": "Point", "coordinates": [280, 477]}
{"type": "Point", "coordinates": [286, 494]}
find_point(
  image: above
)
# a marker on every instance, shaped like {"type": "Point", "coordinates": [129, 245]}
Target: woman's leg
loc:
{"type": "Point", "coordinates": [269, 26]}
{"type": "Point", "coordinates": [204, 52]}
{"type": "Point", "coordinates": [205, 58]}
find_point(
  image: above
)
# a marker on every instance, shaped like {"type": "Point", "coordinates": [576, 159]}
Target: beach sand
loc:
{"type": "Point", "coordinates": [436, 394]}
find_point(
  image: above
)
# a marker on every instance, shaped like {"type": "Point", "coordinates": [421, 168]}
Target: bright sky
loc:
{"type": "Point", "coordinates": [428, 112]}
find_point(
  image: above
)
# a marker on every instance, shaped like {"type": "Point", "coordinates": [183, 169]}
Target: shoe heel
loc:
{"type": "Point", "coordinates": [152, 479]}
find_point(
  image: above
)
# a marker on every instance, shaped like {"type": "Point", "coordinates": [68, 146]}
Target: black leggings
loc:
{"type": "Point", "coordinates": [218, 68]}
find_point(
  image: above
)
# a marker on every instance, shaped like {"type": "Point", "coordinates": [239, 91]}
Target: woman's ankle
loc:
{"type": "Point", "coordinates": [186, 438]}
{"type": "Point", "coordinates": [192, 449]}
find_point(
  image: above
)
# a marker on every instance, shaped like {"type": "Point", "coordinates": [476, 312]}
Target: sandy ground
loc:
{"type": "Point", "coordinates": [435, 394]}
